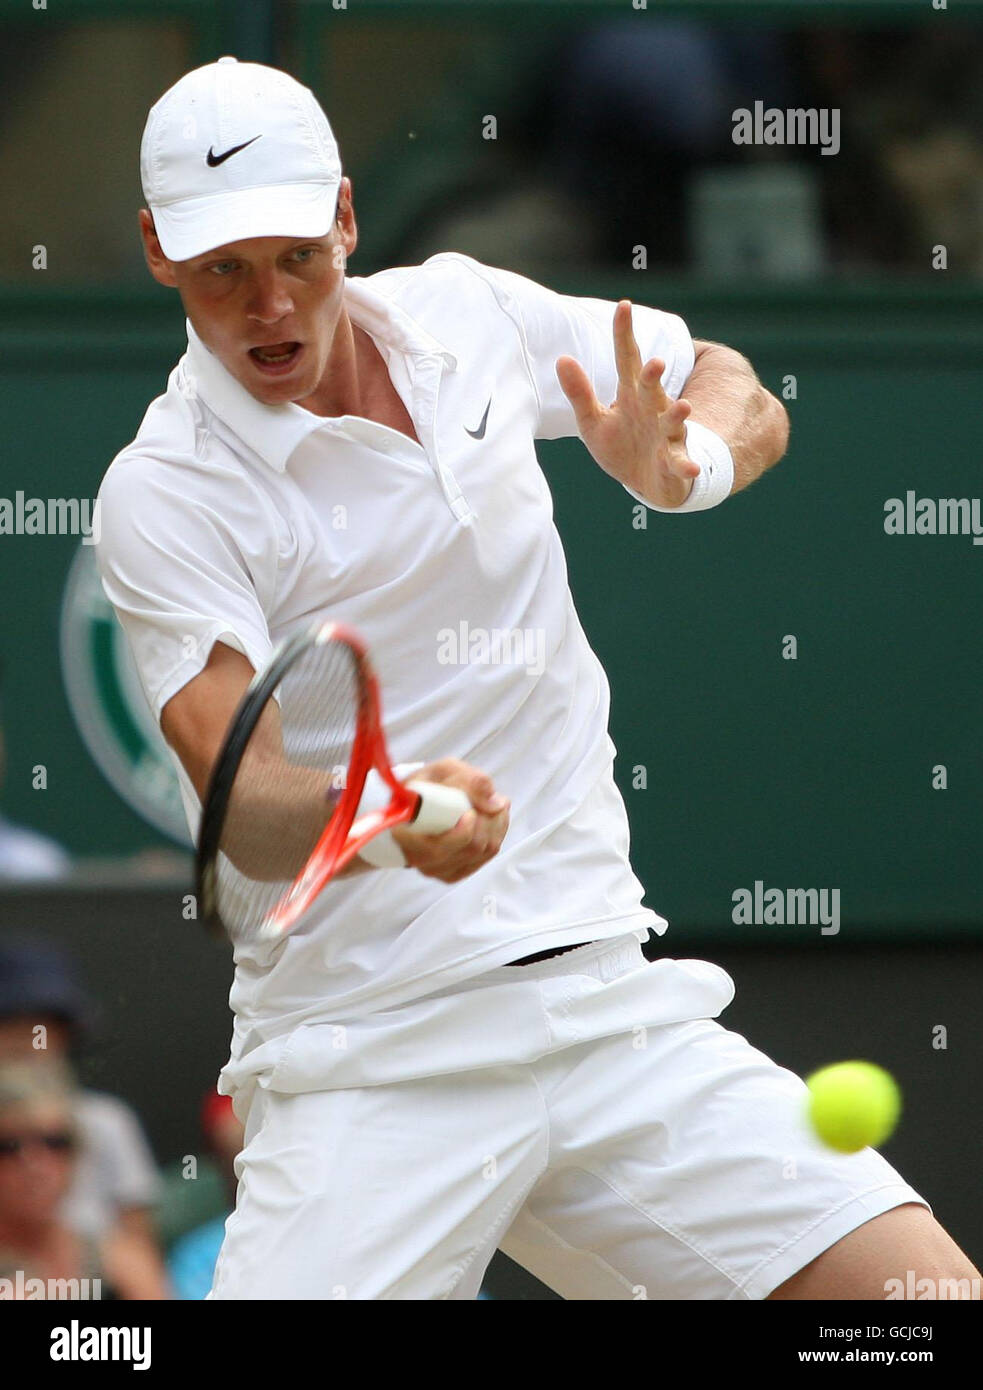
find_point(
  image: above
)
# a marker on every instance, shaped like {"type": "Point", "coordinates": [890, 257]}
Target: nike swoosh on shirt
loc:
{"type": "Point", "coordinates": [479, 433]}
{"type": "Point", "coordinates": [212, 160]}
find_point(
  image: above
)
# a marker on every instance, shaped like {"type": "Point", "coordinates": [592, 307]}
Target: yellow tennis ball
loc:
{"type": "Point", "coordinates": [853, 1105]}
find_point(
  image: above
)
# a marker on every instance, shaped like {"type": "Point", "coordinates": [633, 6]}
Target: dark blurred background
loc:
{"type": "Point", "coordinates": [589, 146]}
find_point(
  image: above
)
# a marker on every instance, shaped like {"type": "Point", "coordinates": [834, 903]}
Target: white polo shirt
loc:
{"type": "Point", "coordinates": [227, 519]}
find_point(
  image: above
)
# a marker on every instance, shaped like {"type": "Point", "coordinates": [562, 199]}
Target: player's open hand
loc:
{"type": "Point", "coordinates": [640, 438]}
{"type": "Point", "coordinates": [475, 838]}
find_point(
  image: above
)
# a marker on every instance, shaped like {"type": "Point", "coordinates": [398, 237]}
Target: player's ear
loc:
{"type": "Point", "coordinates": [157, 263]}
{"type": "Point", "coordinates": [344, 204]}
{"type": "Point", "coordinates": [345, 228]}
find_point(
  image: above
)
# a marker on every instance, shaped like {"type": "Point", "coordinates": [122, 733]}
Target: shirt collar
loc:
{"type": "Point", "coordinates": [274, 431]}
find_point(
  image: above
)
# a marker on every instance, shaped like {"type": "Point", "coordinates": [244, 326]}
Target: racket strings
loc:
{"type": "Point", "coordinates": [288, 785]}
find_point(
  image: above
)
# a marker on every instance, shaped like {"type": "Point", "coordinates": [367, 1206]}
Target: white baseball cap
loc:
{"type": "Point", "coordinates": [236, 150]}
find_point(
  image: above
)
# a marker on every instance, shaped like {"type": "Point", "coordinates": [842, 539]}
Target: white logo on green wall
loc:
{"type": "Point", "coordinates": [108, 704]}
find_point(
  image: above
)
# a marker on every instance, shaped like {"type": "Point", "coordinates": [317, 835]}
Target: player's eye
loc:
{"type": "Point", "coordinates": [308, 252]}
{"type": "Point", "coordinates": [222, 267]}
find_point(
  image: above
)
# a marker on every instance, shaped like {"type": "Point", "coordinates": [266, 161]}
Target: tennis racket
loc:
{"type": "Point", "coordinates": [281, 817]}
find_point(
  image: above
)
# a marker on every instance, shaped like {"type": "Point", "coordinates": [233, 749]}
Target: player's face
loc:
{"type": "Point", "coordinates": [269, 307]}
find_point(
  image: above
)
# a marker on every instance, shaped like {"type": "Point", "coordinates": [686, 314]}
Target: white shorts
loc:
{"type": "Point", "coordinates": [666, 1162]}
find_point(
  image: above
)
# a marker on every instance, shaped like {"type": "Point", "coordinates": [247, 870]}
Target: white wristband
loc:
{"type": "Point", "coordinates": [382, 850]}
{"type": "Point", "coordinates": [716, 475]}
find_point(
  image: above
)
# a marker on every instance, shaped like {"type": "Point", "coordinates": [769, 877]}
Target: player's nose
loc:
{"type": "Point", "coordinates": [269, 300]}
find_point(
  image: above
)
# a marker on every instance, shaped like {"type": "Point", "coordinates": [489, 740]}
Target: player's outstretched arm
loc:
{"type": "Point", "coordinates": [726, 396]}
{"type": "Point", "coordinates": [640, 438]}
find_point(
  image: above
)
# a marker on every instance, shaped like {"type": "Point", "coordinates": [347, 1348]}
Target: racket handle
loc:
{"type": "Point", "coordinates": [440, 809]}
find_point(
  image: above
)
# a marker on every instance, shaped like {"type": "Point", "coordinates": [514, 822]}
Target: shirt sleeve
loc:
{"type": "Point", "coordinates": [555, 325]}
{"type": "Point", "coordinates": [183, 574]}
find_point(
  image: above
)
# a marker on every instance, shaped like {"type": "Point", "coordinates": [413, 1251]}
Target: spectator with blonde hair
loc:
{"type": "Point", "coordinates": [39, 1146]}
{"type": "Point", "coordinates": [45, 1013]}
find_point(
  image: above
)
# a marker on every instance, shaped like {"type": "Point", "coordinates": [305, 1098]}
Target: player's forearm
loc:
{"type": "Point", "coordinates": [276, 816]}
{"type": "Point", "coordinates": [728, 398]}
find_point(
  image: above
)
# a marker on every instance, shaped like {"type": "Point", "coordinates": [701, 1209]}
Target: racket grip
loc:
{"type": "Point", "coordinates": [441, 807]}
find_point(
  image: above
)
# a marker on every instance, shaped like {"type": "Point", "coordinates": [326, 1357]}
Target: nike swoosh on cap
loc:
{"type": "Point", "coordinates": [214, 159]}
{"type": "Point", "coordinates": [479, 433]}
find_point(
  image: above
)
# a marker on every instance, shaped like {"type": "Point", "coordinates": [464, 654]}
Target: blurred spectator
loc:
{"type": "Point", "coordinates": [619, 130]}
{"type": "Point", "coordinates": [25, 854]}
{"type": "Point", "coordinates": [191, 1264]}
{"type": "Point", "coordinates": [44, 1015]}
{"type": "Point", "coordinates": [39, 1148]}
{"type": "Point", "coordinates": [630, 111]}
{"type": "Point", "coordinates": [911, 168]}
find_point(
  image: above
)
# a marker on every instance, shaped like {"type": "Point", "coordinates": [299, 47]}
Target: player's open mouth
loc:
{"type": "Point", "coordinates": [277, 358]}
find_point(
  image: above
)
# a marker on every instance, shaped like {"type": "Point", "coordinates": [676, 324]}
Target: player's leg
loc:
{"type": "Point", "coordinates": [386, 1192]}
{"type": "Point", "coordinates": [895, 1251]}
{"type": "Point", "coordinates": [683, 1169]}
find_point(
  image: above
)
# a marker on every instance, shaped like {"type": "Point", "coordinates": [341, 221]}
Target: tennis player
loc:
{"type": "Point", "coordinates": [467, 1050]}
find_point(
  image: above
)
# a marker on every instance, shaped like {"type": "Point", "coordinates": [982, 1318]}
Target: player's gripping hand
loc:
{"type": "Point", "coordinates": [477, 836]}
{"type": "Point", "coordinates": [640, 438]}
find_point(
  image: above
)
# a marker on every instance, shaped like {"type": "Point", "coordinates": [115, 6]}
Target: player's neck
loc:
{"type": "Point", "coordinates": [350, 381]}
